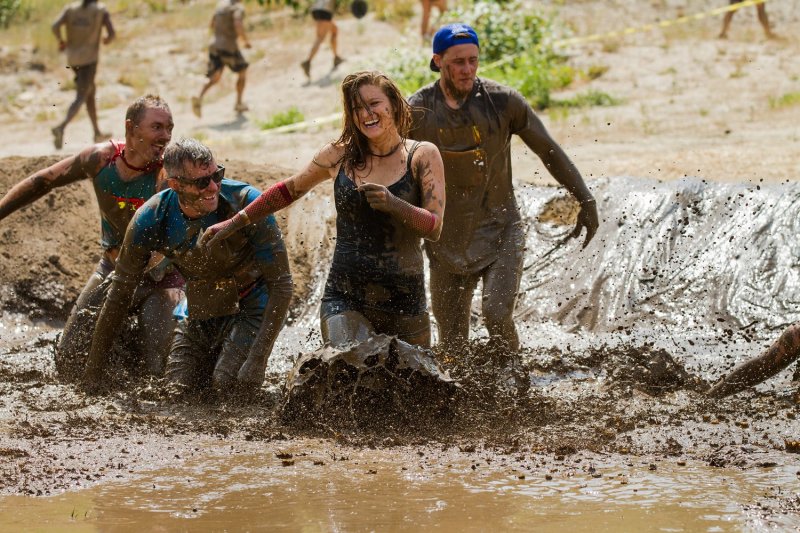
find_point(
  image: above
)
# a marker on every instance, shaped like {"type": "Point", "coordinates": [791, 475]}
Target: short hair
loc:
{"type": "Point", "coordinates": [185, 151]}
{"type": "Point", "coordinates": [140, 106]}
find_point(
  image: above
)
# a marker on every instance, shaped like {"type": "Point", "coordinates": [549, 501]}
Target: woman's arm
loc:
{"type": "Point", "coordinates": [322, 166]}
{"type": "Point", "coordinates": [426, 219]}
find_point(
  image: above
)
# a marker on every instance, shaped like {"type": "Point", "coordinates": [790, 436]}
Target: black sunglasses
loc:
{"type": "Point", "coordinates": [202, 183]}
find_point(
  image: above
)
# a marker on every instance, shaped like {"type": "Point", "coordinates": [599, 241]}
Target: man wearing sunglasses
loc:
{"type": "Point", "coordinates": [124, 175]}
{"type": "Point", "coordinates": [237, 292]}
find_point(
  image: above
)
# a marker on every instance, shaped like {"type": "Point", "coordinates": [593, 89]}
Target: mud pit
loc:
{"type": "Point", "coordinates": [682, 281]}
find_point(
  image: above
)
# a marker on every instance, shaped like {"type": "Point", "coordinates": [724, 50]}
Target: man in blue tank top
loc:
{"type": "Point", "coordinates": [237, 292]}
{"type": "Point", "coordinates": [124, 175]}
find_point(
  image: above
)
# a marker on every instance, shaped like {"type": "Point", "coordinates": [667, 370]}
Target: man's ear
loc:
{"type": "Point", "coordinates": [174, 184]}
{"type": "Point", "coordinates": [437, 60]}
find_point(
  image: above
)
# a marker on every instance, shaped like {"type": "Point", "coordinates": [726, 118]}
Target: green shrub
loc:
{"type": "Point", "coordinates": [590, 98]}
{"type": "Point", "coordinates": [8, 9]}
{"type": "Point", "coordinates": [290, 116]}
{"type": "Point", "coordinates": [515, 50]}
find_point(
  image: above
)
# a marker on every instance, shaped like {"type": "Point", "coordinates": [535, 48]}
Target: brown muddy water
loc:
{"type": "Point", "coordinates": [682, 281]}
{"type": "Point", "coordinates": [238, 490]}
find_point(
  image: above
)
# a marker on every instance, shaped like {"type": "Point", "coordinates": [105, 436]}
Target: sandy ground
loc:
{"type": "Point", "coordinates": [691, 105]}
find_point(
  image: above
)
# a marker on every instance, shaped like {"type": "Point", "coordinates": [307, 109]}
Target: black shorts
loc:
{"type": "Point", "coordinates": [218, 59]}
{"type": "Point", "coordinates": [321, 14]}
{"type": "Point", "coordinates": [84, 77]}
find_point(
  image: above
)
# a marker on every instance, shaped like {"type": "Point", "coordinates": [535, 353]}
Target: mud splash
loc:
{"type": "Point", "coordinates": [620, 340]}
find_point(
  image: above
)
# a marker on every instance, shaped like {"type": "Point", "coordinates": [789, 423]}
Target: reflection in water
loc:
{"type": "Point", "coordinates": [370, 490]}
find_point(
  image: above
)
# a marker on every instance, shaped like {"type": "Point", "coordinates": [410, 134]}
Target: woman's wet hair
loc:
{"type": "Point", "coordinates": [140, 106]}
{"type": "Point", "coordinates": [185, 151]}
{"type": "Point", "coordinates": [354, 142]}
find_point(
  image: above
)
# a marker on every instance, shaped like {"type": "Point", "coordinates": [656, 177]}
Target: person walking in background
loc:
{"type": "Point", "coordinates": [83, 22]}
{"type": "Point", "coordinates": [227, 24]}
{"type": "Point", "coordinates": [471, 121]}
{"type": "Point", "coordinates": [762, 18]}
{"type": "Point", "coordinates": [322, 13]}
{"type": "Point", "coordinates": [427, 5]}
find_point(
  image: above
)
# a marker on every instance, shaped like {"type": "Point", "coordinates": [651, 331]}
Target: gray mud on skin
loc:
{"type": "Point", "coordinates": [682, 281]}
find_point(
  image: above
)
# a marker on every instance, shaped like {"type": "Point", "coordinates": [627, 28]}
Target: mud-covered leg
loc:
{"type": "Point", "coordinates": [76, 338]}
{"type": "Point", "coordinates": [345, 328]}
{"type": "Point", "coordinates": [500, 287]}
{"type": "Point", "coordinates": [188, 363]}
{"type": "Point", "coordinates": [157, 326]}
{"type": "Point", "coordinates": [451, 301]}
{"type": "Point", "coordinates": [239, 337]}
{"type": "Point", "coordinates": [780, 355]}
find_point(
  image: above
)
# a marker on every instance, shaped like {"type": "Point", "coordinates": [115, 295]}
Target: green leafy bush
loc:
{"type": "Point", "coordinates": [290, 116]}
{"type": "Point", "coordinates": [515, 50]}
{"type": "Point", "coordinates": [8, 9]}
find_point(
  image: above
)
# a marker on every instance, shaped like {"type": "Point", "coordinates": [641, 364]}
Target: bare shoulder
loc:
{"type": "Point", "coordinates": [330, 155]}
{"type": "Point", "coordinates": [426, 151]}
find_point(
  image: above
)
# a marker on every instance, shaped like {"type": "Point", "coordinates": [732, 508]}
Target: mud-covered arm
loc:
{"type": "Point", "coordinates": [56, 28]}
{"type": "Point", "coordinates": [273, 262]}
{"type": "Point", "coordinates": [530, 129]}
{"type": "Point", "coordinates": [238, 25]}
{"type": "Point", "coordinates": [424, 220]}
{"type": "Point", "coordinates": [781, 354]}
{"type": "Point", "coordinates": [84, 165]}
{"type": "Point", "coordinates": [110, 33]}
{"type": "Point", "coordinates": [321, 167]}
{"type": "Point", "coordinates": [129, 268]}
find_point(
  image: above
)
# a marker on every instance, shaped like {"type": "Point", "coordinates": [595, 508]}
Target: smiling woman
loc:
{"type": "Point", "coordinates": [389, 193]}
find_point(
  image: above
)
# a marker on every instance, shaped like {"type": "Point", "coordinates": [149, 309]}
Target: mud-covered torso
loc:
{"type": "Point", "coordinates": [377, 262]}
{"type": "Point", "coordinates": [160, 226]}
{"type": "Point", "coordinates": [474, 141]}
{"type": "Point", "coordinates": [119, 199]}
{"type": "Point", "coordinates": [83, 27]}
{"type": "Point", "coordinates": [225, 16]}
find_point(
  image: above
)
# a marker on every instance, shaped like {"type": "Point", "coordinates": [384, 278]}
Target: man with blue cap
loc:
{"type": "Point", "coordinates": [471, 120]}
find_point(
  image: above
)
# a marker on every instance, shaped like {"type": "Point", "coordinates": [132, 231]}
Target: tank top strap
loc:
{"type": "Point", "coordinates": [411, 155]}
{"type": "Point", "coordinates": [118, 148]}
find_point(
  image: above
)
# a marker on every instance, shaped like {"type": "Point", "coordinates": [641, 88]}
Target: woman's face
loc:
{"type": "Point", "coordinates": [373, 112]}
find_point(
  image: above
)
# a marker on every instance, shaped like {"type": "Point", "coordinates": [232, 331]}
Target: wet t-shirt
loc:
{"type": "Point", "coordinates": [474, 141]}
{"type": "Point", "coordinates": [83, 26]}
{"type": "Point", "coordinates": [324, 5]}
{"type": "Point", "coordinates": [160, 226]}
{"type": "Point", "coordinates": [119, 199]}
{"type": "Point", "coordinates": [377, 262]}
{"type": "Point", "coordinates": [225, 17]}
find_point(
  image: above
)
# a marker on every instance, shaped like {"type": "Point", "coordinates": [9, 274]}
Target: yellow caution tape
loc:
{"type": "Point", "coordinates": [334, 117]}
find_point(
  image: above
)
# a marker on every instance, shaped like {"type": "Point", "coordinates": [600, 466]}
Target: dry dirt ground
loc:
{"type": "Point", "coordinates": [690, 105]}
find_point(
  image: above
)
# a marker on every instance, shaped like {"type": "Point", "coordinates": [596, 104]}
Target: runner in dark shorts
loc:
{"type": "Point", "coordinates": [762, 18]}
{"type": "Point", "coordinates": [389, 194]}
{"type": "Point", "coordinates": [228, 27]}
{"type": "Point", "coordinates": [322, 13]}
{"type": "Point", "coordinates": [84, 22]}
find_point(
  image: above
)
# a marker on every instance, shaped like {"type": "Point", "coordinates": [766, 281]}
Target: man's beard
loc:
{"type": "Point", "coordinates": [459, 95]}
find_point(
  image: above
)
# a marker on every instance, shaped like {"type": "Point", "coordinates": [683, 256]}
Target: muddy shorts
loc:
{"type": "Point", "coordinates": [218, 59]}
{"type": "Point", "coordinates": [321, 15]}
{"type": "Point", "coordinates": [84, 77]}
{"type": "Point", "coordinates": [210, 352]}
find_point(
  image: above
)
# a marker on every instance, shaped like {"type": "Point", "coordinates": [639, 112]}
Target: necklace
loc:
{"type": "Point", "coordinates": [390, 152]}
{"type": "Point", "coordinates": [149, 167]}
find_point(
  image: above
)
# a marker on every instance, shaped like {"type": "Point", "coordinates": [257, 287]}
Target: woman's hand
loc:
{"type": "Point", "coordinates": [220, 231]}
{"type": "Point", "coordinates": [378, 197]}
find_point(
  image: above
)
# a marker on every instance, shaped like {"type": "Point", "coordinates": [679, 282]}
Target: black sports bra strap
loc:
{"type": "Point", "coordinates": [411, 155]}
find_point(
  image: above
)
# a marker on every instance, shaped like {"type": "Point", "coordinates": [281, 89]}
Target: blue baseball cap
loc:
{"type": "Point", "coordinates": [451, 35]}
